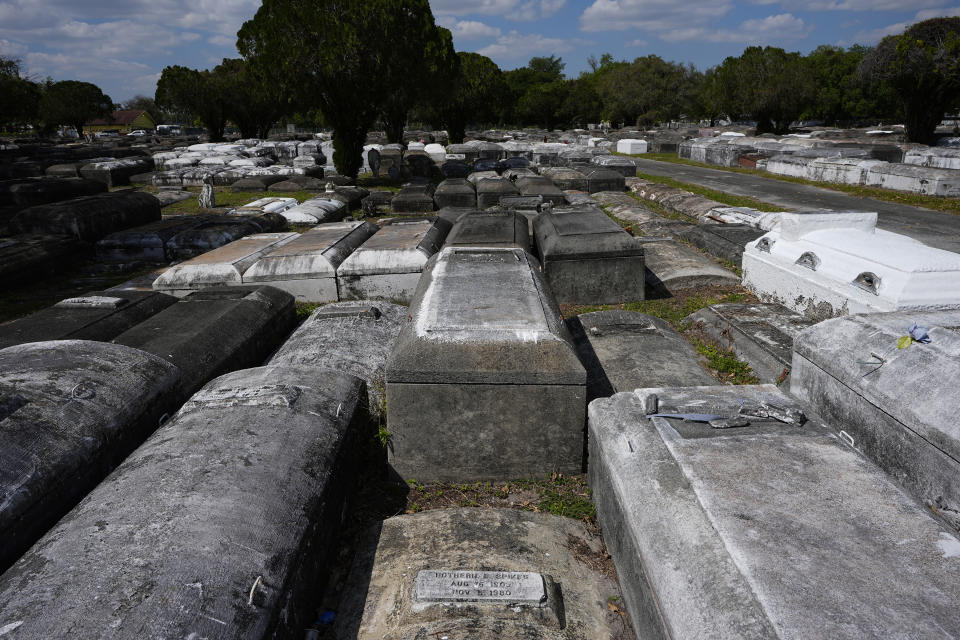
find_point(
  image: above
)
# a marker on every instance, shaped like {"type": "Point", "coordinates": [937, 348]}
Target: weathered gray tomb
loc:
{"type": "Point", "coordinates": [776, 529]}
{"type": "Point", "coordinates": [484, 382]}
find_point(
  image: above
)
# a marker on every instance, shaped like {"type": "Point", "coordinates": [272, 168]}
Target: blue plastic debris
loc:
{"type": "Point", "coordinates": [327, 617]}
{"type": "Point", "coordinates": [918, 333]}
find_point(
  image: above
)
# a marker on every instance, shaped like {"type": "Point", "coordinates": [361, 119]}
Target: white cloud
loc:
{"type": "Point", "coordinates": [516, 10]}
{"type": "Point", "coordinates": [872, 36]}
{"type": "Point", "coordinates": [519, 46]}
{"type": "Point", "coordinates": [858, 5]}
{"type": "Point", "coordinates": [652, 15]}
{"type": "Point", "coordinates": [472, 30]}
{"type": "Point", "coordinates": [10, 49]}
{"type": "Point", "coordinates": [637, 43]}
{"type": "Point", "coordinates": [758, 31]}
{"type": "Point", "coordinates": [222, 41]}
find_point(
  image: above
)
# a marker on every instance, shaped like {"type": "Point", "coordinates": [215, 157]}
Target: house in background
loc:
{"type": "Point", "coordinates": [123, 120]}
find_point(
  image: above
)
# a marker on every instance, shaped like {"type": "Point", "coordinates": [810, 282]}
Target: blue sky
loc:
{"type": "Point", "coordinates": [122, 45]}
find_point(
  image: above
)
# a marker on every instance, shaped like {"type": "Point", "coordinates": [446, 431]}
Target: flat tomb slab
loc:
{"type": "Point", "coordinates": [389, 264]}
{"type": "Point", "coordinates": [488, 573]}
{"type": "Point", "coordinates": [673, 267]}
{"type": "Point", "coordinates": [147, 242]}
{"type": "Point", "coordinates": [91, 217]}
{"type": "Point", "coordinates": [485, 361]}
{"type": "Point", "coordinates": [588, 258]}
{"type": "Point", "coordinates": [897, 406]}
{"type": "Point", "coordinates": [760, 334]}
{"type": "Point", "coordinates": [725, 241]}
{"type": "Point", "coordinates": [70, 410]}
{"type": "Point", "coordinates": [306, 267]}
{"type": "Point", "coordinates": [220, 267]}
{"type": "Point", "coordinates": [249, 478]}
{"type": "Point", "coordinates": [626, 350]}
{"type": "Point", "coordinates": [95, 315]}
{"type": "Point", "coordinates": [759, 531]}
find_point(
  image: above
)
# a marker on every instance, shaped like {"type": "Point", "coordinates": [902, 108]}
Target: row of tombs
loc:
{"type": "Point", "coordinates": [181, 465]}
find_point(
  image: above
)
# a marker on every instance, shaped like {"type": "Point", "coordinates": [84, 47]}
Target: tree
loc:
{"type": "Point", "coordinates": [250, 100]}
{"type": "Point", "coordinates": [647, 91]}
{"type": "Point", "coordinates": [922, 69]}
{"type": "Point", "coordinates": [344, 57]}
{"type": "Point", "coordinates": [474, 95]}
{"type": "Point", "coordinates": [19, 97]}
{"type": "Point", "coordinates": [197, 92]}
{"type": "Point", "coordinates": [74, 103]}
{"type": "Point", "coordinates": [767, 85]}
{"type": "Point", "coordinates": [425, 81]}
{"type": "Point", "coordinates": [522, 83]}
{"type": "Point", "coordinates": [582, 103]}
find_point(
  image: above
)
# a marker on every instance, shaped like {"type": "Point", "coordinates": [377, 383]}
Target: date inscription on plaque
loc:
{"type": "Point", "coordinates": [455, 585]}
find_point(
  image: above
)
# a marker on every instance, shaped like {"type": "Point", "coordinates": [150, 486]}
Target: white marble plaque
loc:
{"type": "Point", "coordinates": [455, 585]}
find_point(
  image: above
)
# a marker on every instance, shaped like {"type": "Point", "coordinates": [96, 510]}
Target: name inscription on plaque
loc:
{"type": "Point", "coordinates": [455, 585]}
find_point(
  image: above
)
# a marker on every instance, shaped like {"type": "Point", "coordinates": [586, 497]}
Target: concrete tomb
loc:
{"type": "Point", "coordinates": [491, 229]}
{"type": "Point", "coordinates": [96, 315]}
{"type": "Point", "coordinates": [256, 183]}
{"type": "Point", "coordinates": [622, 165]}
{"type": "Point", "coordinates": [223, 523]}
{"type": "Point", "coordinates": [455, 192]}
{"type": "Point", "coordinates": [28, 192]}
{"type": "Point", "coordinates": [540, 186]}
{"type": "Point", "coordinates": [476, 176]}
{"type": "Point", "coordinates": [455, 169]}
{"type": "Point", "coordinates": [484, 573]}
{"type": "Point", "coordinates": [490, 190]}
{"type": "Point", "coordinates": [829, 263]}
{"type": "Point", "coordinates": [726, 241]}
{"type": "Point", "coordinates": [220, 267]}
{"type": "Point", "coordinates": [896, 406]}
{"type": "Point", "coordinates": [354, 337]}
{"type": "Point", "coordinates": [389, 264]}
{"type": "Point", "coordinates": [70, 410]}
{"type": "Point", "coordinates": [413, 198]}
{"type": "Point", "coordinates": [484, 382]}
{"type": "Point", "coordinates": [760, 523]}
{"type": "Point", "coordinates": [26, 257]}
{"type": "Point", "coordinates": [588, 258]}
{"type": "Point", "coordinates": [306, 267]}
{"type": "Point", "coordinates": [89, 218]}
{"type": "Point", "coordinates": [631, 146]}
{"type": "Point", "coordinates": [148, 242]}
{"type": "Point", "coordinates": [604, 179]}
{"type": "Point", "coordinates": [209, 235]}
{"type": "Point", "coordinates": [315, 211]}
{"type": "Point", "coordinates": [672, 267]}
{"type": "Point", "coordinates": [265, 205]}
{"type": "Point", "coordinates": [116, 172]}
{"type": "Point", "coordinates": [215, 331]}
{"type": "Point", "coordinates": [761, 334]}
{"type": "Point", "coordinates": [626, 350]}
{"type": "Point", "coordinates": [566, 178]}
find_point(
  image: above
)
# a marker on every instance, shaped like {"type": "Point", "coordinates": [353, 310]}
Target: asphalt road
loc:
{"type": "Point", "coordinates": [934, 228]}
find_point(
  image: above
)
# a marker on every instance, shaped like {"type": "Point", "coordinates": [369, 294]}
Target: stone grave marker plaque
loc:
{"type": "Point", "coordinates": [456, 585]}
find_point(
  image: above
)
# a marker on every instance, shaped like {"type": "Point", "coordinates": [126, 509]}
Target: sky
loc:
{"type": "Point", "coordinates": [123, 45]}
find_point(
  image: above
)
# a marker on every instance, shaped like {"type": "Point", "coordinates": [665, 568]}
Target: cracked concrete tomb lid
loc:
{"type": "Point", "coordinates": [315, 254]}
{"type": "Point", "coordinates": [484, 315]}
{"type": "Point", "coordinates": [222, 266]}
{"type": "Point", "coordinates": [399, 247]}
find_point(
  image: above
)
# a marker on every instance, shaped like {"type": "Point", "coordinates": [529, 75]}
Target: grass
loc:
{"type": "Point", "coordinates": [558, 494]}
{"type": "Point", "coordinates": [724, 363]}
{"type": "Point", "coordinates": [721, 197]}
{"type": "Point", "coordinates": [936, 203]}
{"type": "Point", "coordinates": [304, 309]}
{"type": "Point", "coordinates": [223, 197]}
{"type": "Point", "coordinates": [676, 308]}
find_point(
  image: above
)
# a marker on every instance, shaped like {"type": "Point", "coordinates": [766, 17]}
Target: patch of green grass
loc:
{"type": "Point", "coordinates": [724, 198]}
{"type": "Point", "coordinates": [567, 499]}
{"type": "Point", "coordinates": [626, 224]}
{"type": "Point", "coordinates": [937, 203]}
{"type": "Point", "coordinates": [304, 309]}
{"type": "Point", "coordinates": [725, 363]}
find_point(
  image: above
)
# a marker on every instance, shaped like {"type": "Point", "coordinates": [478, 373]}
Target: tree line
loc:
{"type": "Point", "coordinates": [383, 63]}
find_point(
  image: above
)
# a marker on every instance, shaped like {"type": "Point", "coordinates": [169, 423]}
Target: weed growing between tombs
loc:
{"type": "Point", "coordinates": [937, 203]}
{"type": "Point", "coordinates": [719, 196]}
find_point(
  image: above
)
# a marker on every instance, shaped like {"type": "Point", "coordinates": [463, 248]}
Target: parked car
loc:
{"type": "Point", "coordinates": [138, 133]}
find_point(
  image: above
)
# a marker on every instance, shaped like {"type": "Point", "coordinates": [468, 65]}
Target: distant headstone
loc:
{"type": "Point", "coordinates": [206, 199]}
{"type": "Point", "coordinates": [373, 159]}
